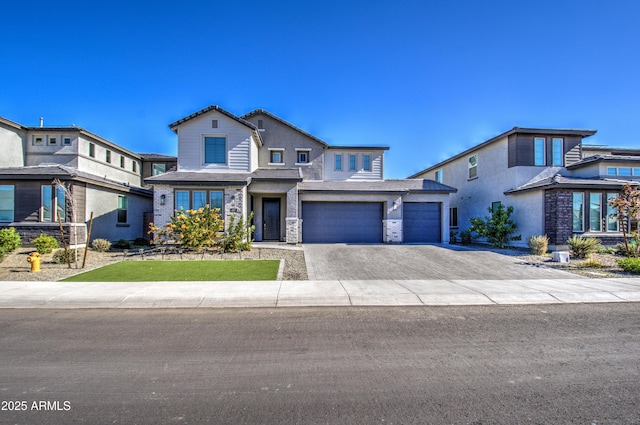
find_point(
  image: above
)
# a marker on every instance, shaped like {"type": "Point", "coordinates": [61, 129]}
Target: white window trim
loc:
{"type": "Point", "coordinates": [276, 150]}
{"type": "Point", "coordinates": [308, 151]}
{"type": "Point", "coordinates": [56, 138]}
{"type": "Point", "coordinates": [370, 170]}
{"type": "Point", "coordinates": [226, 151]}
{"type": "Point", "coordinates": [42, 140]}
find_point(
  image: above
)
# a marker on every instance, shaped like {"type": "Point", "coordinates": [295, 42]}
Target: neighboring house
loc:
{"type": "Point", "coordinates": [557, 185]}
{"type": "Point", "coordinates": [299, 188]}
{"type": "Point", "coordinates": [103, 179]}
{"type": "Point", "coordinates": [154, 164]}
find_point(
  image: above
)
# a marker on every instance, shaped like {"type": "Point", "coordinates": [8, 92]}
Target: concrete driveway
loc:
{"type": "Point", "coordinates": [410, 262]}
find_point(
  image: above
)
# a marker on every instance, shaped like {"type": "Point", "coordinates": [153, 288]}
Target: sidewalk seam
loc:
{"type": "Point", "coordinates": [346, 292]}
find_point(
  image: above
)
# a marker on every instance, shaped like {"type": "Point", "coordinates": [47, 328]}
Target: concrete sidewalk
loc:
{"type": "Point", "coordinates": [315, 293]}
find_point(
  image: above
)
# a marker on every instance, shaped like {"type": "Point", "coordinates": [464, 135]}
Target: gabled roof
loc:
{"type": "Point", "coordinates": [603, 158]}
{"type": "Point", "coordinates": [558, 181]}
{"type": "Point", "coordinates": [379, 186]}
{"type": "Point", "coordinates": [514, 130]}
{"type": "Point", "coordinates": [174, 126]}
{"type": "Point", "coordinates": [62, 172]}
{"type": "Point", "coordinates": [216, 108]}
{"type": "Point", "coordinates": [12, 124]}
{"type": "Point", "coordinates": [288, 124]}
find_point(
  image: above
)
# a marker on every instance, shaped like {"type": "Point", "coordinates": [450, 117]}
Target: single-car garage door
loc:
{"type": "Point", "coordinates": [341, 222]}
{"type": "Point", "coordinates": [421, 222]}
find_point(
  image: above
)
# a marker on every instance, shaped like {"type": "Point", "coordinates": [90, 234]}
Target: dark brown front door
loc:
{"type": "Point", "coordinates": [271, 219]}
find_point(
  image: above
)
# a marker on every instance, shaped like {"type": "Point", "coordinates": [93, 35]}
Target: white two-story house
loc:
{"type": "Point", "coordinates": [299, 188]}
{"type": "Point", "coordinates": [557, 185]}
{"type": "Point", "coordinates": [104, 179]}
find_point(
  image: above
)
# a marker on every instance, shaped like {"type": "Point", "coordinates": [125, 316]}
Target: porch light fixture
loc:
{"type": "Point", "coordinates": [163, 199]}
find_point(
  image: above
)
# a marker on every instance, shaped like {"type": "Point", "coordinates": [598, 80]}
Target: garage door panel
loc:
{"type": "Point", "coordinates": [342, 222]}
{"type": "Point", "coordinates": [421, 222]}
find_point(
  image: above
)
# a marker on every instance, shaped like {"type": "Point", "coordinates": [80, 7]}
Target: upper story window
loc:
{"type": "Point", "coordinates": [260, 125]}
{"type": "Point", "coordinates": [214, 123]}
{"type": "Point", "coordinates": [539, 151]}
{"type": "Point", "coordinates": [557, 152]}
{"type": "Point", "coordinates": [276, 156]}
{"type": "Point", "coordinates": [303, 156]}
{"type": "Point", "coordinates": [438, 176]}
{"type": "Point", "coordinates": [352, 162]}
{"type": "Point", "coordinates": [215, 150]}
{"type": "Point", "coordinates": [38, 141]}
{"type": "Point", "coordinates": [66, 141]}
{"type": "Point", "coordinates": [92, 150]}
{"type": "Point", "coordinates": [53, 141]}
{"type": "Point", "coordinates": [134, 166]}
{"type": "Point", "coordinates": [338, 162]}
{"type": "Point", "coordinates": [158, 169]}
{"type": "Point", "coordinates": [367, 162]}
{"type": "Point", "coordinates": [473, 166]}
{"type": "Point", "coordinates": [121, 161]}
{"type": "Point", "coordinates": [7, 203]}
{"type": "Point", "coordinates": [623, 171]}
{"type": "Point", "coordinates": [108, 156]}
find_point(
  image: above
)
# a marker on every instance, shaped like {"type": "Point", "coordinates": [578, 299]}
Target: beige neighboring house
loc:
{"type": "Point", "coordinates": [299, 188]}
{"type": "Point", "coordinates": [558, 185]}
{"type": "Point", "coordinates": [103, 178]}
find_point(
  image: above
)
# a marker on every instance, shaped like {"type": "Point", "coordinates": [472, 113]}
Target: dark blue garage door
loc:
{"type": "Point", "coordinates": [341, 222]}
{"type": "Point", "coordinates": [421, 222]}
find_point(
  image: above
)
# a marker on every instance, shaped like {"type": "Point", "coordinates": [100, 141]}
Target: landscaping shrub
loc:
{"type": "Point", "coordinates": [497, 228]}
{"type": "Point", "coordinates": [582, 247]}
{"type": "Point", "coordinates": [592, 263]}
{"type": "Point", "coordinates": [45, 244]}
{"type": "Point", "coordinates": [538, 244]}
{"type": "Point", "coordinates": [9, 240]}
{"type": "Point", "coordinates": [465, 237]}
{"type": "Point", "coordinates": [238, 235]}
{"type": "Point", "coordinates": [192, 229]}
{"type": "Point", "coordinates": [101, 245]}
{"type": "Point", "coordinates": [453, 236]}
{"type": "Point", "coordinates": [630, 265]}
{"type": "Point", "coordinates": [140, 242]}
{"type": "Point", "coordinates": [122, 244]}
{"type": "Point", "coordinates": [60, 258]}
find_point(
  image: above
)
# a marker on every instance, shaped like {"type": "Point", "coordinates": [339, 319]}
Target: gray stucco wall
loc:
{"type": "Point", "coordinates": [279, 135]}
{"type": "Point", "coordinates": [12, 145]}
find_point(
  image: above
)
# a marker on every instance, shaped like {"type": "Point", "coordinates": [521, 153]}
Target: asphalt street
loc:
{"type": "Point", "coordinates": [551, 364]}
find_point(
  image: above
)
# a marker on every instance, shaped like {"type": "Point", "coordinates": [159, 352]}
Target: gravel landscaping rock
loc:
{"type": "Point", "coordinates": [16, 268]}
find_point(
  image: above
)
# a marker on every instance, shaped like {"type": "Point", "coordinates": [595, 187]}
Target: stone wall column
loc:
{"type": "Point", "coordinates": [292, 221]}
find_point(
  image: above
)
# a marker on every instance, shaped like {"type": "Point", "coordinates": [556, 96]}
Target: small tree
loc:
{"type": "Point", "coordinates": [497, 228]}
{"type": "Point", "coordinates": [627, 205]}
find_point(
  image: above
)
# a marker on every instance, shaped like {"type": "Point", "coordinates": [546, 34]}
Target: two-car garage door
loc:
{"type": "Point", "coordinates": [361, 222]}
{"type": "Point", "coordinates": [342, 222]}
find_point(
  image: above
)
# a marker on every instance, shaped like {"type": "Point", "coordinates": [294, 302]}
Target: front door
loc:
{"type": "Point", "coordinates": [271, 219]}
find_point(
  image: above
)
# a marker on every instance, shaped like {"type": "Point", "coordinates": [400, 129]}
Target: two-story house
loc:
{"type": "Point", "coordinates": [101, 177]}
{"type": "Point", "coordinates": [557, 185]}
{"type": "Point", "coordinates": [299, 188]}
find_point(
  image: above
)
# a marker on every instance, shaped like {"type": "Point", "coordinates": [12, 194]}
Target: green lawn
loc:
{"type": "Point", "coordinates": [153, 271]}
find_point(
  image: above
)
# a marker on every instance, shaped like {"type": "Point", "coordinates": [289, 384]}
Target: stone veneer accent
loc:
{"type": "Point", "coordinates": [31, 231]}
{"type": "Point", "coordinates": [293, 229]}
{"type": "Point", "coordinates": [392, 231]}
{"type": "Point", "coordinates": [558, 215]}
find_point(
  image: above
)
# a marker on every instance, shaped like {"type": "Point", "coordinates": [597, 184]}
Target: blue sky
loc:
{"type": "Point", "coordinates": [428, 78]}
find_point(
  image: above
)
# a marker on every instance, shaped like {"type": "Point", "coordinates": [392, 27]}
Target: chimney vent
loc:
{"type": "Point", "coordinates": [41, 122]}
